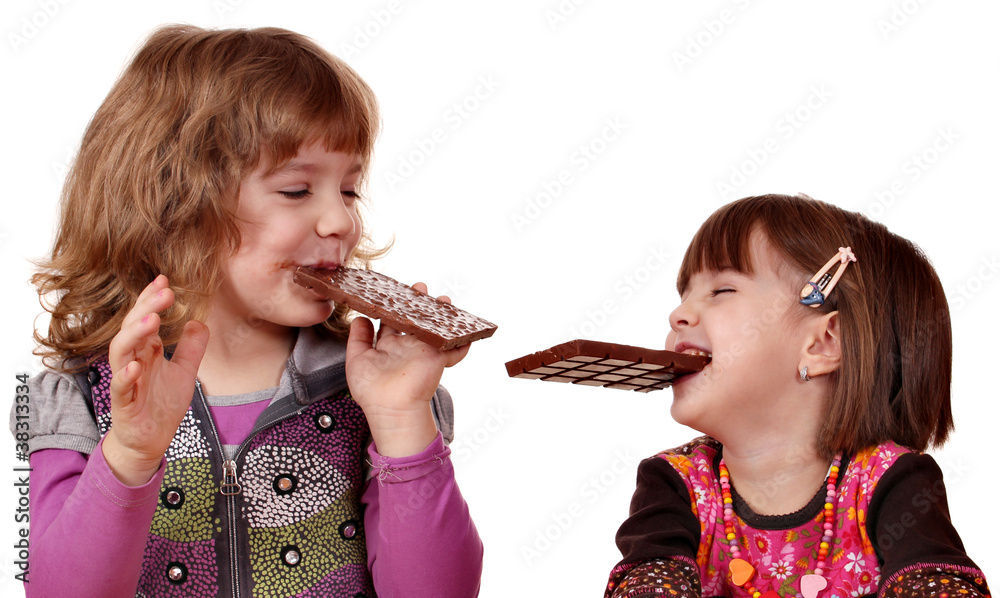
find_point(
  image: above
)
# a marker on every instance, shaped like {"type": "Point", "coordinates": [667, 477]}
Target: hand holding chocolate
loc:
{"type": "Point", "coordinates": [593, 363]}
{"type": "Point", "coordinates": [440, 325]}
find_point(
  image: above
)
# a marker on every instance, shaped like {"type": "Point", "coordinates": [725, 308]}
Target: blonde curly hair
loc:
{"type": "Point", "coordinates": [155, 184]}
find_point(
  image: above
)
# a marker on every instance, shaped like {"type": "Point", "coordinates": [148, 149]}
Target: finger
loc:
{"type": "Point", "coordinates": [123, 384]}
{"type": "Point", "coordinates": [134, 339]}
{"type": "Point", "coordinates": [419, 287]}
{"type": "Point", "coordinates": [444, 299]}
{"type": "Point", "coordinates": [385, 329]}
{"type": "Point", "coordinates": [156, 297]}
{"type": "Point", "coordinates": [191, 347]}
{"type": "Point", "coordinates": [361, 337]}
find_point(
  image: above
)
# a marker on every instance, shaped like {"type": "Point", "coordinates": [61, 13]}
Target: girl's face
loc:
{"type": "Point", "coordinates": [754, 330]}
{"type": "Point", "coordinates": [303, 214]}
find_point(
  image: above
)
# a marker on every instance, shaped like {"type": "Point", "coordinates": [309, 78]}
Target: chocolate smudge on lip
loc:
{"type": "Point", "coordinates": [285, 265]}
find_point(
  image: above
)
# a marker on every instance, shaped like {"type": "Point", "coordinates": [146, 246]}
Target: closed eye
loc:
{"type": "Point", "coordinates": [300, 194]}
{"type": "Point", "coordinates": [718, 292]}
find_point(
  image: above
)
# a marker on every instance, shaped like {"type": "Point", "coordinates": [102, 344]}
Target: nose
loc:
{"type": "Point", "coordinates": [335, 217]}
{"type": "Point", "coordinates": [683, 316]}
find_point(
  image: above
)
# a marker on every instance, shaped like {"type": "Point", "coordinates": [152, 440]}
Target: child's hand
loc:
{"type": "Point", "coordinates": [393, 378]}
{"type": "Point", "coordinates": [149, 395]}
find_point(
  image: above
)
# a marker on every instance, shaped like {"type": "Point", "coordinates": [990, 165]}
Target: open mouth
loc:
{"type": "Point", "coordinates": [689, 350]}
{"type": "Point", "coordinates": [327, 266]}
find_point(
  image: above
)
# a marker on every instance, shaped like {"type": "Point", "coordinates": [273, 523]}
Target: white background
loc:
{"type": "Point", "coordinates": [699, 89]}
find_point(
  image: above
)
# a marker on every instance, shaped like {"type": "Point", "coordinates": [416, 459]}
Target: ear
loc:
{"type": "Point", "coordinates": [822, 350]}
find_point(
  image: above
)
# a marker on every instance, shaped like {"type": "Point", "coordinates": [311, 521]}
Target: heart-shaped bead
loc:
{"type": "Point", "coordinates": [811, 584]}
{"type": "Point", "coordinates": [741, 571]}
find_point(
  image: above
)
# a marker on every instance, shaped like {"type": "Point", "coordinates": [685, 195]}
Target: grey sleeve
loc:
{"type": "Point", "coordinates": [58, 414]}
{"type": "Point", "coordinates": [444, 414]}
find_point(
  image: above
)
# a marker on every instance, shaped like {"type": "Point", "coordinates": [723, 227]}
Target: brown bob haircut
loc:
{"type": "Point", "coordinates": [894, 382]}
{"type": "Point", "coordinates": [155, 184]}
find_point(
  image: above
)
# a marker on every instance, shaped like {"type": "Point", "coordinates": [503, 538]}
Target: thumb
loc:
{"type": "Point", "coordinates": [361, 337]}
{"type": "Point", "coordinates": [453, 356]}
{"type": "Point", "coordinates": [191, 347]}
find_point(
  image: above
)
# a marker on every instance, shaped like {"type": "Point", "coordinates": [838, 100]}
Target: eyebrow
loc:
{"type": "Point", "coordinates": [724, 270]}
{"type": "Point", "coordinates": [294, 166]}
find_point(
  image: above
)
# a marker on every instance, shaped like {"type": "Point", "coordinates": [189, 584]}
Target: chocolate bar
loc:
{"type": "Point", "coordinates": [593, 363]}
{"type": "Point", "coordinates": [440, 325]}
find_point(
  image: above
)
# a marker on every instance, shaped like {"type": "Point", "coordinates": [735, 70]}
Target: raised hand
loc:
{"type": "Point", "coordinates": [393, 376]}
{"type": "Point", "coordinates": [149, 395]}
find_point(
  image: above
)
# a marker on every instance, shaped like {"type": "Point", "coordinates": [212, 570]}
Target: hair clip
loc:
{"type": "Point", "coordinates": [821, 285]}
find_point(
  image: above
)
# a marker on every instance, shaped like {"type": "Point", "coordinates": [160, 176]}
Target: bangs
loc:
{"type": "Point", "coordinates": [722, 242]}
{"type": "Point", "coordinates": [307, 96]}
{"type": "Point", "coordinates": [802, 230]}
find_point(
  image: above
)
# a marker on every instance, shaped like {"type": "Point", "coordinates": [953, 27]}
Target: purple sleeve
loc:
{"type": "Point", "coordinates": [88, 530]}
{"type": "Point", "coordinates": [421, 539]}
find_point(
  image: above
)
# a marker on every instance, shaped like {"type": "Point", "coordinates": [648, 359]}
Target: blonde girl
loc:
{"type": "Point", "coordinates": [208, 427]}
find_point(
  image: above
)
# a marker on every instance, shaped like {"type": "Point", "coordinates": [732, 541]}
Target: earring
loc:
{"type": "Point", "coordinates": [804, 374]}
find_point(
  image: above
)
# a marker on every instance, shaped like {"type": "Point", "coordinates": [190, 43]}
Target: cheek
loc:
{"type": "Point", "coordinates": [355, 237]}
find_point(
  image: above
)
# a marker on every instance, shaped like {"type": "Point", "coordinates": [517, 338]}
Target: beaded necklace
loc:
{"type": "Point", "coordinates": [742, 572]}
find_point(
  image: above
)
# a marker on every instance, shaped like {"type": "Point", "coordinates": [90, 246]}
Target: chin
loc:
{"type": "Point", "coordinates": [689, 409]}
{"type": "Point", "coordinates": [316, 313]}
{"type": "Point", "coordinates": [680, 411]}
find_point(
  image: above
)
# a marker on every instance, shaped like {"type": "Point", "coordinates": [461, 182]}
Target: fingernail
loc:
{"type": "Point", "coordinates": [159, 293]}
{"type": "Point", "coordinates": [145, 319]}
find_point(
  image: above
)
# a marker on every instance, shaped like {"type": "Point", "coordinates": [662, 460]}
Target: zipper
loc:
{"type": "Point", "coordinates": [230, 483]}
{"type": "Point", "coordinates": [230, 486]}
{"type": "Point", "coordinates": [228, 468]}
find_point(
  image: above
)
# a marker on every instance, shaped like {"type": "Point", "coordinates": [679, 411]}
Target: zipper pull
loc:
{"type": "Point", "coordinates": [230, 485]}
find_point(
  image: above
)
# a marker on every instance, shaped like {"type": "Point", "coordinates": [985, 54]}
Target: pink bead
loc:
{"type": "Point", "coordinates": [828, 526]}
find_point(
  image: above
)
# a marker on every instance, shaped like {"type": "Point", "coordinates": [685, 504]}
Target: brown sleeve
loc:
{"type": "Point", "coordinates": [917, 546]}
{"type": "Point", "coordinates": [660, 524]}
{"type": "Point", "coordinates": [677, 578]}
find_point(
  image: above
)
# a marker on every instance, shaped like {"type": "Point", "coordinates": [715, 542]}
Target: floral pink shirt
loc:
{"type": "Point", "coordinates": [783, 555]}
{"type": "Point", "coordinates": [670, 554]}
